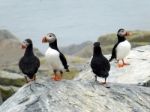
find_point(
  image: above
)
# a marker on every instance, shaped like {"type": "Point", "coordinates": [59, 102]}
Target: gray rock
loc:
{"type": "Point", "coordinates": [137, 72]}
{"type": "Point", "coordinates": [9, 84]}
{"type": "Point", "coordinates": [78, 49]}
{"type": "Point", "coordinates": [146, 83]}
{"type": "Point", "coordinates": [1, 101]}
{"type": "Point", "coordinates": [78, 96]}
{"type": "Point", "coordinates": [10, 49]}
{"type": "Point", "coordinates": [11, 79]}
{"type": "Point", "coordinates": [84, 95]}
{"type": "Point", "coordinates": [7, 91]}
{"type": "Point", "coordinates": [5, 35]}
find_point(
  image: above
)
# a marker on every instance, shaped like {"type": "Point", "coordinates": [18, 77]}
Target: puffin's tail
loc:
{"type": "Point", "coordinates": [111, 58]}
{"type": "Point", "coordinates": [67, 68]}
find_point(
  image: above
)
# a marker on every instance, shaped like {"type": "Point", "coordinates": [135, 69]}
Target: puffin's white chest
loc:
{"type": "Point", "coordinates": [123, 49]}
{"type": "Point", "coordinates": [53, 59]}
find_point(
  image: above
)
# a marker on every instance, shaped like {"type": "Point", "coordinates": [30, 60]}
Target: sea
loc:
{"type": "Point", "coordinates": [72, 21]}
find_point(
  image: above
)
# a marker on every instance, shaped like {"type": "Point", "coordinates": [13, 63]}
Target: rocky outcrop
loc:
{"type": "Point", "coordinates": [9, 84]}
{"type": "Point", "coordinates": [138, 72]}
{"type": "Point", "coordinates": [1, 101]}
{"type": "Point", "coordinates": [85, 49]}
{"type": "Point", "coordinates": [146, 83]}
{"type": "Point", "coordinates": [7, 91]}
{"type": "Point", "coordinates": [11, 79]}
{"type": "Point", "coordinates": [83, 94]}
{"type": "Point", "coordinates": [78, 96]}
{"type": "Point", "coordinates": [82, 50]}
{"type": "Point", "coordinates": [10, 50]}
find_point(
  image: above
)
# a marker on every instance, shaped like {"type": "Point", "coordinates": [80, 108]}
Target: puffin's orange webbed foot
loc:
{"type": "Point", "coordinates": [53, 77]}
{"type": "Point", "coordinates": [102, 83]}
{"type": "Point", "coordinates": [120, 65]}
{"type": "Point", "coordinates": [56, 78]}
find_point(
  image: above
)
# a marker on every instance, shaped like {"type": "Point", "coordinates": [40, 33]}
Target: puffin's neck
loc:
{"type": "Point", "coordinates": [121, 39]}
{"type": "Point", "coordinates": [97, 51]}
{"type": "Point", "coordinates": [54, 45]}
{"type": "Point", "coordinates": [29, 51]}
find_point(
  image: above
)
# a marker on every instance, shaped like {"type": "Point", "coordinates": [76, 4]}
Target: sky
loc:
{"type": "Point", "coordinates": [73, 21]}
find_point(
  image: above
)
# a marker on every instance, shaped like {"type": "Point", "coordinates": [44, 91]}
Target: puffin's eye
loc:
{"type": "Point", "coordinates": [50, 36]}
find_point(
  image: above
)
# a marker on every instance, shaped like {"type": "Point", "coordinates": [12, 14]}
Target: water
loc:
{"type": "Point", "coordinates": [73, 21]}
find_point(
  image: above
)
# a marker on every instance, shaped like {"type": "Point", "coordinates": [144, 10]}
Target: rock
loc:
{"type": "Point", "coordinates": [85, 49]}
{"type": "Point", "coordinates": [9, 83]}
{"type": "Point", "coordinates": [7, 91]}
{"type": "Point", "coordinates": [146, 83]}
{"type": "Point", "coordinates": [83, 94]}
{"type": "Point", "coordinates": [82, 50]}
{"type": "Point", "coordinates": [1, 101]}
{"type": "Point", "coordinates": [137, 72]}
{"type": "Point", "coordinates": [10, 49]}
{"type": "Point", "coordinates": [78, 96]}
{"type": "Point", "coordinates": [11, 79]}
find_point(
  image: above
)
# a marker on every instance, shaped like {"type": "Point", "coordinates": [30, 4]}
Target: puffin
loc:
{"type": "Point", "coordinates": [54, 58]}
{"type": "Point", "coordinates": [122, 48]}
{"type": "Point", "coordinates": [99, 64]}
{"type": "Point", "coordinates": [29, 63]}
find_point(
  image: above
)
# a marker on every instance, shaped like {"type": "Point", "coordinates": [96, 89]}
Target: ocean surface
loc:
{"type": "Point", "coordinates": [73, 21]}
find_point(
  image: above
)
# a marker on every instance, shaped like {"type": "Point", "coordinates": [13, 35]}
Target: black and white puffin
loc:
{"type": "Point", "coordinates": [121, 48]}
{"type": "Point", "coordinates": [29, 63]}
{"type": "Point", "coordinates": [99, 64]}
{"type": "Point", "coordinates": [55, 59]}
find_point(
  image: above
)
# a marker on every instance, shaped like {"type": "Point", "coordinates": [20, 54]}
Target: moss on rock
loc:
{"type": "Point", "coordinates": [7, 91]}
{"type": "Point", "coordinates": [13, 79]}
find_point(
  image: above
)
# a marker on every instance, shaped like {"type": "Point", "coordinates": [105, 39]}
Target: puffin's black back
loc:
{"type": "Point", "coordinates": [120, 39]}
{"type": "Point", "coordinates": [99, 64]}
{"type": "Point", "coordinates": [29, 63]}
{"type": "Point", "coordinates": [64, 61]}
{"type": "Point", "coordinates": [113, 56]}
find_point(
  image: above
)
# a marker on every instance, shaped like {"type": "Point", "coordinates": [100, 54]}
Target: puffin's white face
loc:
{"type": "Point", "coordinates": [49, 38]}
{"type": "Point", "coordinates": [123, 33]}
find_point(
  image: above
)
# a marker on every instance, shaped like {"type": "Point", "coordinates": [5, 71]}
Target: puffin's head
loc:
{"type": "Point", "coordinates": [123, 33]}
{"type": "Point", "coordinates": [26, 43]}
{"type": "Point", "coordinates": [97, 49]}
{"type": "Point", "coordinates": [49, 38]}
{"type": "Point", "coordinates": [96, 44]}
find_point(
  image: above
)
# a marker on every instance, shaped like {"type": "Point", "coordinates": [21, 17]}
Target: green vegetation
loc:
{"type": "Point", "coordinates": [7, 91]}
{"type": "Point", "coordinates": [74, 66]}
{"type": "Point", "coordinates": [75, 60]}
{"type": "Point", "coordinates": [15, 82]}
{"type": "Point", "coordinates": [70, 75]}
{"type": "Point", "coordinates": [138, 38]}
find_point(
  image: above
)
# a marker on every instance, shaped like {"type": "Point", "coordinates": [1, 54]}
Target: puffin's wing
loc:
{"type": "Point", "coordinates": [100, 64]}
{"type": "Point", "coordinates": [100, 67]}
{"type": "Point", "coordinates": [64, 61]}
{"type": "Point", "coordinates": [96, 64]}
{"type": "Point", "coordinates": [37, 62]}
{"type": "Point", "coordinates": [106, 64]}
{"type": "Point", "coordinates": [29, 67]}
{"type": "Point", "coordinates": [21, 64]}
{"type": "Point", "coordinates": [113, 52]}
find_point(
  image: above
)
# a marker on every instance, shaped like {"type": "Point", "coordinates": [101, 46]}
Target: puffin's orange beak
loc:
{"type": "Point", "coordinates": [128, 34]}
{"type": "Point", "coordinates": [44, 40]}
{"type": "Point", "coordinates": [23, 46]}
